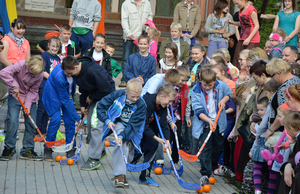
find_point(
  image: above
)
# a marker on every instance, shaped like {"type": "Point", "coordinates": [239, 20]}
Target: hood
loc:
{"type": "Point", "coordinates": [85, 62]}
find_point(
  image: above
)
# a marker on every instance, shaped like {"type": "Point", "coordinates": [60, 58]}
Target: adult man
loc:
{"type": "Point", "coordinates": [134, 14]}
{"type": "Point", "coordinates": [290, 54]}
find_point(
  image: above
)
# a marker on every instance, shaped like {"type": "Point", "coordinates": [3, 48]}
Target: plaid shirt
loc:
{"type": "Point", "coordinates": [188, 13]}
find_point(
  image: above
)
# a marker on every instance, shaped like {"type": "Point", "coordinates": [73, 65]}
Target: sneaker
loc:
{"type": "Point", "coordinates": [120, 182]}
{"type": "Point", "coordinates": [160, 162]}
{"type": "Point", "coordinates": [103, 155]}
{"type": "Point", "coordinates": [71, 153]}
{"type": "Point", "coordinates": [91, 164]}
{"type": "Point", "coordinates": [122, 85]}
{"type": "Point", "coordinates": [220, 170]}
{"type": "Point", "coordinates": [257, 192]}
{"type": "Point", "coordinates": [204, 180]}
{"type": "Point", "coordinates": [30, 155]}
{"type": "Point", "coordinates": [229, 172]}
{"type": "Point", "coordinates": [48, 154]}
{"type": "Point", "coordinates": [149, 182]}
{"type": "Point", "coordinates": [7, 154]}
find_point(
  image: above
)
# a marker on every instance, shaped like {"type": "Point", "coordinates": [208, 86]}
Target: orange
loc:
{"type": "Point", "coordinates": [157, 170]}
{"type": "Point", "coordinates": [200, 190]}
{"type": "Point", "coordinates": [106, 143]}
{"type": "Point", "coordinates": [70, 161]}
{"type": "Point", "coordinates": [57, 158]}
{"type": "Point", "coordinates": [64, 157]}
{"type": "Point", "coordinates": [206, 188]}
{"type": "Point", "coordinates": [212, 180]}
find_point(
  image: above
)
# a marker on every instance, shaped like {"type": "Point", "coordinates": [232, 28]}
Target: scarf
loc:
{"type": "Point", "coordinates": [19, 41]}
{"type": "Point", "coordinates": [177, 42]}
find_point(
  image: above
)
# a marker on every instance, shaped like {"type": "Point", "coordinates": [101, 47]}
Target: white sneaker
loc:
{"type": "Point", "coordinates": [160, 162]}
{"type": "Point", "coordinates": [229, 172]}
{"type": "Point", "coordinates": [204, 180]}
{"type": "Point", "coordinates": [257, 192]}
{"type": "Point", "coordinates": [220, 170]}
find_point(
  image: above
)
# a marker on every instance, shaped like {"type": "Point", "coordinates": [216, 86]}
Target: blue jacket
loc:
{"type": "Point", "coordinates": [276, 51]}
{"type": "Point", "coordinates": [56, 93]}
{"type": "Point", "coordinates": [115, 102]}
{"type": "Point", "coordinates": [138, 65]}
{"type": "Point", "coordinates": [199, 106]}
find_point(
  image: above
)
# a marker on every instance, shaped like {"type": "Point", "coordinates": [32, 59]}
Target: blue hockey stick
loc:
{"type": "Point", "coordinates": [77, 155]}
{"type": "Point", "coordinates": [164, 170]}
{"type": "Point", "coordinates": [183, 184]}
{"type": "Point", "coordinates": [180, 170]}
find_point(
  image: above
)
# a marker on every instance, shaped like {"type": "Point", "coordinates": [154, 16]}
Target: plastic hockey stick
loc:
{"type": "Point", "coordinates": [130, 167]}
{"type": "Point", "coordinates": [164, 170]}
{"type": "Point", "coordinates": [69, 146]}
{"type": "Point", "coordinates": [76, 157]}
{"type": "Point", "coordinates": [193, 158]}
{"type": "Point", "coordinates": [111, 143]}
{"type": "Point", "coordinates": [182, 183]}
{"type": "Point", "coordinates": [59, 136]}
{"type": "Point", "coordinates": [180, 170]}
{"type": "Point", "coordinates": [49, 144]}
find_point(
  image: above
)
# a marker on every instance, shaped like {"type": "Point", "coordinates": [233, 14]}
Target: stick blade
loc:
{"type": "Point", "coordinates": [180, 171]}
{"type": "Point", "coordinates": [137, 167]}
{"type": "Point", "coordinates": [164, 170]}
{"type": "Point", "coordinates": [64, 148]}
{"type": "Point", "coordinates": [189, 186]}
{"type": "Point", "coordinates": [75, 159]}
{"type": "Point", "coordinates": [53, 144]}
{"type": "Point", "coordinates": [187, 157]}
{"type": "Point", "coordinates": [38, 139]}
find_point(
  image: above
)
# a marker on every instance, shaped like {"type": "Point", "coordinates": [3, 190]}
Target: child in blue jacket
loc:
{"type": "Point", "coordinates": [58, 96]}
{"type": "Point", "coordinates": [127, 113]}
{"type": "Point", "coordinates": [208, 96]}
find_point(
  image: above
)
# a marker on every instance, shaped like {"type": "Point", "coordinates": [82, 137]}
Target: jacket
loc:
{"type": "Point", "coordinates": [115, 102]}
{"type": "Point", "coordinates": [14, 53]}
{"type": "Point", "coordinates": [105, 62]}
{"type": "Point", "coordinates": [204, 61]}
{"type": "Point", "coordinates": [131, 22]}
{"type": "Point", "coordinates": [138, 65]}
{"type": "Point", "coordinates": [115, 67]}
{"type": "Point", "coordinates": [229, 28]}
{"type": "Point", "coordinates": [93, 81]}
{"type": "Point", "coordinates": [199, 107]}
{"type": "Point", "coordinates": [184, 50]}
{"type": "Point", "coordinates": [56, 93]}
{"type": "Point", "coordinates": [151, 128]}
{"type": "Point", "coordinates": [276, 51]}
{"type": "Point", "coordinates": [73, 49]}
{"type": "Point", "coordinates": [180, 16]}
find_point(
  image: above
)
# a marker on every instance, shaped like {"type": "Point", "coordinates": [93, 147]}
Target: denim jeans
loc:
{"type": "Point", "coordinates": [186, 135]}
{"type": "Point", "coordinates": [14, 107]}
{"type": "Point", "coordinates": [128, 46]}
{"type": "Point", "coordinates": [214, 45]}
{"type": "Point", "coordinates": [3, 115]}
{"type": "Point", "coordinates": [42, 116]}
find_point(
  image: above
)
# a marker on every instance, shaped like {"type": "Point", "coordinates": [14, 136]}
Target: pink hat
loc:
{"type": "Point", "coordinates": [150, 24]}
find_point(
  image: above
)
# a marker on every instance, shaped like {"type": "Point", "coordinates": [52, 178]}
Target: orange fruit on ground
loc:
{"type": "Point", "coordinates": [157, 170]}
{"type": "Point", "coordinates": [57, 158]}
{"type": "Point", "coordinates": [206, 188]}
{"type": "Point", "coordinates": [106, 143]}
{"type": "Point", "coordinates": [200, 190]}
{"type": "Point", "coordinates": [212, 180]}
{"type": "Point", "coordinates": [64, 157]}
{"type": "Point", "coordinates": [70, 161]}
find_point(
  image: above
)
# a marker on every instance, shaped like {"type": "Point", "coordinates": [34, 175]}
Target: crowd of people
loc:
{"type": "Point", "coordinates": [248, 96]}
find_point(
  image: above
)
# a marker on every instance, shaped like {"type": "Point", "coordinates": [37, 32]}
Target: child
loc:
{"type": "Point", "coordinates": [141, 65]}
{"type": "Point", "coordinates": [218, 59]}
{"type": "Point", "coordinates": [100, 56]}
{"type": "Point", "coordinates": [249, 35]}
{"type": "Point", "coordinates": [127, 113]}
{"type": "Point", "coordinates": [171, 58]}
{"type": "Point", "coordinates": [155, 103]}
{"type": "Point", "coordinates": [208, 96]}
{"type": "Point", "coordinates": [58, 98]}
{"type": "Point", "coordinates": [232, 70]}
{"type": "Point", "coordinates": [289, 182]}
{"type": "Point", "coordinates": [153, 34]}
{"type": "Point", "coordinates": [84, 20]}
{"type": "Point", "coordinates": [23, 79]}
{"type": "Point", "coordinates": [68, 47]}
{"type": "Point", "coordinates": [51, 60]}
{"type": "Point", "coordinates": [277, 43]}
{"type": "Point", "coordinates": [115, 67]}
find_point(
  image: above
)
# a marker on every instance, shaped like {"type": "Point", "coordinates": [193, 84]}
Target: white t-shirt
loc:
{"type": "Point", "coordinates": [164, 68]}
{"type": "Point", "coordinates": [212, 114]}
{"type": "Point", "coordinates": [97, 56]}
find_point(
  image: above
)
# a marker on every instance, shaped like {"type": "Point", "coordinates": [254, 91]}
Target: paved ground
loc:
{"type": "Point", "coordinates": [21, 176]}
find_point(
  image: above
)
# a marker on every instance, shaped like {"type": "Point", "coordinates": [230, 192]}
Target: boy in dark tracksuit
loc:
{"type": "Point", "coordinates": [155, 103]}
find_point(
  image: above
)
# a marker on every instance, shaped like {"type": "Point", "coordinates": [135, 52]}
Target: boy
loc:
{"type": "Point", "coordinates": [115, 67]}
{"type": "Point", "coordinates": [23, 79]}
{"type": "Point", "coordinates": [155, 103]}
{"type": "Point", "coordinates": [208, 96]}
{"type": "Point", "coordinates": [94, 83]}
{"type": "Point", "coordinates": [58, 97]}
{"type": "Point", "coordinates": [84, 20]}
{"type": "Point", "coordinates": [128, 113]}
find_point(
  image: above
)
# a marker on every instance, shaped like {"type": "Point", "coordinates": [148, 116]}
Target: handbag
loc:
{"type": "Point", "coordinates": [272, 140]}
{"type": "Point", "coordinates": [230, 42]}
{"type": "Point", "coordinates": [245, 133]}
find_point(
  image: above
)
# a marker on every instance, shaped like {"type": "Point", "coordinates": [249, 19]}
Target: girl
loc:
{"type": "Point", "coordinates": [51, 59]}
{"type": "Point", "coordinates": [219, 31]}
{"type": "Point", "coordinates": [232, 70]}
{"type": "Point", "coordinates": [171, 58]}
{"type": "Point", "coordinates": [100, 56]}
{"type": "Point", "coordinates": [153, 35]}
{"type": "Point", "coordinates": [288, 19]}
{"type": "Point", "coordinates": [249, 36]}
{"type": "Point", "coordinates": [277, 43]}
{"type": "Point", "coordinates": [219, 59]}
{"type": "Point", "coordinates": [243, 75]}
{"type": "Point", "coordinates": [141, 65]}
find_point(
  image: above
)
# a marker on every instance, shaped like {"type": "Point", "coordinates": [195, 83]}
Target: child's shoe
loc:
{"type": "Point", "coordinates": [229, 172]}
{"type": "Point", "coordinates": [30, 155]}
{"type": "Point", "coordinates": [103, 154]}
{"type": "Point", "coordinates": [160, 162]}
{"type": "Point", "coordinates": [257, 192]}
{"type": "Point", "coordinates": [120, 182]}
{"type": "Point", "coordinates": [48, 154]}
{"type": "Point", "coordinates": [149, 182]}
{"type": "Point", "coordinates": [220, 170]}
{"type": "Point", "coordinates": [204, 180]}
{"type": "Point", "coordinates": [7, 154]}
{"type": "Point", "coordinates": [71, 153]}
{"type": "Point", "coordinates": [91, 164]}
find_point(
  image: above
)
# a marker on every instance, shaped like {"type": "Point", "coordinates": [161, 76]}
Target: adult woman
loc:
{"type": "Point", "coordinates": [219, 31]}
{"type": "Point", "coordinates": [289, 20]}
{"type": "Point", "coordinates": [188, 14]}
